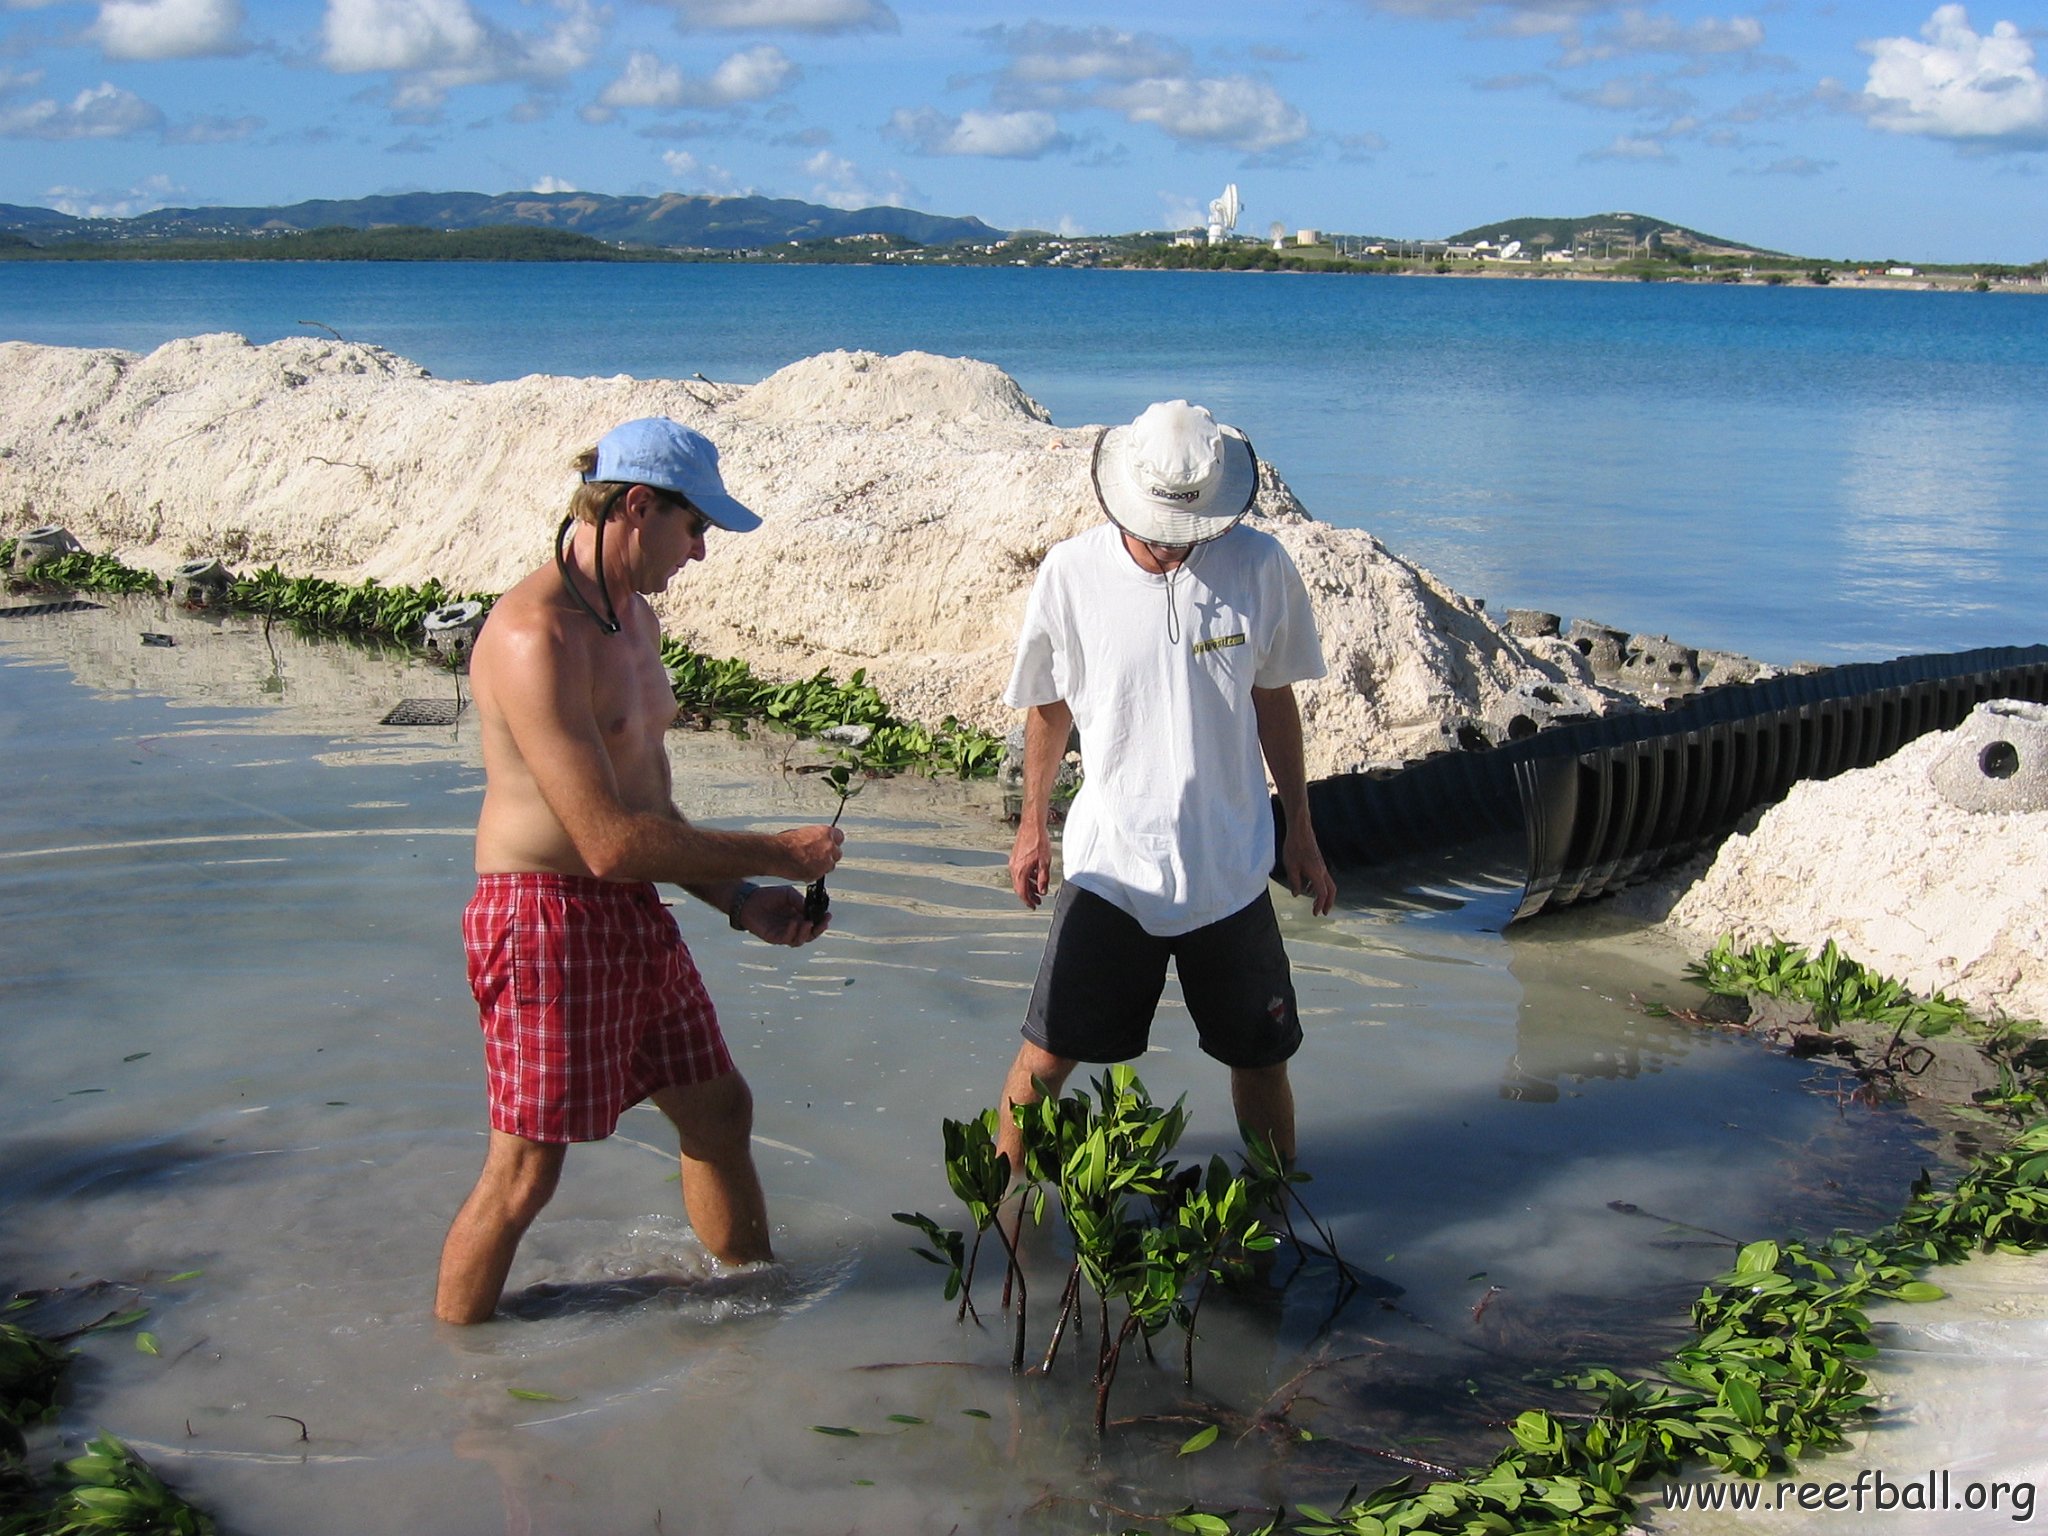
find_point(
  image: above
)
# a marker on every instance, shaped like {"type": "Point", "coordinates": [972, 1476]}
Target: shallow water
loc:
{"type": "Point", "coordinates": [239, 1042]}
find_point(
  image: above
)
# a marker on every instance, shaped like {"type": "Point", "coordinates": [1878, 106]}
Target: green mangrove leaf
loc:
{"type": "Point", "coordinates": [117, 1320]}
{"type": "Point", "coordinates": [1200, 1440]}
{"type": "Point", "coordinates": [1757, 1259]}
{"type": "Point", "coordinates": [837, 1429]}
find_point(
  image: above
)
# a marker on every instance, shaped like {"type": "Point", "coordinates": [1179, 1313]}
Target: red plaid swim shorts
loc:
{"type": "Point", "coordinates": [589, 1002]}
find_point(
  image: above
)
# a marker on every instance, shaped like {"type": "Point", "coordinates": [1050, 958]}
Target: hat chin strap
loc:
{"type": "Point", "coordinates": [608, 621]}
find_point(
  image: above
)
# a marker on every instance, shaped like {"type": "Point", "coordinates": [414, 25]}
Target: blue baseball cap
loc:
{"type": "Point", "coordinates": [668, 456]}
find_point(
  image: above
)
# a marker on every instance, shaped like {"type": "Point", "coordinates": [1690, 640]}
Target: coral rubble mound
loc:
{"type": "Point", "coordinates": [908, 501]}
{"type": "Point", "coordinates": [1900, 876]}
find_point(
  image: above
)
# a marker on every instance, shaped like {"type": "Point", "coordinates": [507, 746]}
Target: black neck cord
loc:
{"type": "Point", "coordinates": [608, 621]}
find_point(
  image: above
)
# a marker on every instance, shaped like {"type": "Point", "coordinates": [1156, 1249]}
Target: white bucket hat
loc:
{"type": "Point", "coordinates": [1175, 476]}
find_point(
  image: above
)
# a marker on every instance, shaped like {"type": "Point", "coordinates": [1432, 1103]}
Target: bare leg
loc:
{"type": "Point", "coordinates": [721, 1188]}
{"type": "Point", "coordinates": [1264, 1101]}
{"type": "Point", "coordinates": [1033, 1062]}
{"type": "Point", "coordinates": [518, 1180]}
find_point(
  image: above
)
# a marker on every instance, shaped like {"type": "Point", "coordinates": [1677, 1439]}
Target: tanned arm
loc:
{"type": "Point", "coordinates": [1280, 739]}
{"type": "Point", "coordinates": [1047, 729]}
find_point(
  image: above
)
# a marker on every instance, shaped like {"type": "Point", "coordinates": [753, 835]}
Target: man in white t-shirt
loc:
{"type": "Point", "coordinates": [1171, 636]}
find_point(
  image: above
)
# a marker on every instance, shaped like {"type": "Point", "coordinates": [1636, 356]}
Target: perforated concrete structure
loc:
{"type": "Point", "coordinates": [1998, 761]}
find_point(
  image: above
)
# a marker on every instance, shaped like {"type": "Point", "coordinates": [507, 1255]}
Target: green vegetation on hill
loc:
{"type": "Point", "coordinates": [1605, 233]}
{"type": "Point", "coordinates": [668, 221]}
{"type": "Point", "coordinates": [503, 243]}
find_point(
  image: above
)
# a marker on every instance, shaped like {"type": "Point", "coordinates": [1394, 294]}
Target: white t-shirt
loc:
{"type": "Point", "coordinates": [1172, 823]}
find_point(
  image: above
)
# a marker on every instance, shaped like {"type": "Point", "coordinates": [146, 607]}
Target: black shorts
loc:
{"type": "Point", "coordinates": [1100, 980]}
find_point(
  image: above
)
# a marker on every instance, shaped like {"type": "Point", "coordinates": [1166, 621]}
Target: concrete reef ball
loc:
{"type": "Point", "coordinates": [50, 542]}
{"type": "Point", "coordinates": [201, 584]}
{"type": "Point", "coordinates": [1997, 762]}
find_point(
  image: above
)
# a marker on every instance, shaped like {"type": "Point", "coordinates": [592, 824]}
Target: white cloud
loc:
{"type": "Point", "coordinates": [1958, 84]}
{"type": "Point", "coordinates": [169, 29]}
{"type": "Point", "coordinates": [1238, 111]}
{"type": "Point", "coordinates": [754, 74]}
{"type": "Point", "coordinates": [644, 82]}
{"type": "Point", "coordinates": [687, 171]}
{"type": "Point", "coordinates": [439, 45]}
{"type": "Point", "coordinates": [1148, 79]}
{"type": "Point", "coordinates": [1528, 17]}
{"type": "Point", "coordinates": [1046, 57]}
{"type": "Point", "coordinates": [784, 15]}
{"type": "Point", "coordinates": [1792, 165]}
{"type": "Point", "coordinates": [1639, 32]}
{"type": "Point", "coordinates": [1630, 146]}
{"type": "Point", "coordinates": [996, 135]}
{"type": "Point", "coordinates": [839, 183]}
{"type": "Point", "coordinates": [213, 130]}
{"type": "Point", "coordinates": [149, 193]}
{"type": "Point", "coordinates": [401, 35]}
{"type": "Point", "coordinates": [1182, 211]}
{"type": "Point", "coordinates": [553, 184]}
{"type": "Point", "coordinates": [102, 111]}
{"type": "Point", "coordinates": [1632, 93]}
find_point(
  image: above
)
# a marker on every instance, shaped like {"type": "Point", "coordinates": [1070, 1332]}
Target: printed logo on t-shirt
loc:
{"type": "Point", "coordinates": [1219, 643]}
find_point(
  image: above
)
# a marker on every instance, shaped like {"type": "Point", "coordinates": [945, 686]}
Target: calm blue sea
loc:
{"type": "Point", "coordinates": [1792, 472]}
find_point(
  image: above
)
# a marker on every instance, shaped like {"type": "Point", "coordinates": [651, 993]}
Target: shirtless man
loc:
{"type": "Point", "coordinates": [589, 1000]}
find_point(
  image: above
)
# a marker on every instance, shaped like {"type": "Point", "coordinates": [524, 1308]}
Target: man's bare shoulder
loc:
{"type": "Point", "coordinates": [532, 621]}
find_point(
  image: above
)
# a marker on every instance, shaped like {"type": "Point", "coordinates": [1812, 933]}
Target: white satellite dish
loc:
{"type": "Point", "coordinates": [1511, 250]}
{"type": "Point", "coordinates": [1223, 214]}
{"type": "Point", "coordinates": [1278, 234]}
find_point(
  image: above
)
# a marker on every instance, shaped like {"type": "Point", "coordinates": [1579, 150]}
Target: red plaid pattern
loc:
{"type": "Point", "coordinates": [589, 1002]}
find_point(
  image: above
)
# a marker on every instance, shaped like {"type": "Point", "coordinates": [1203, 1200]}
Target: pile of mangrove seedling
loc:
{"type": "Point", "coordinates": [729, 690]}
{"type": "Point", "coordinates": [705, 686]}
{"type": "Point", "coordinates": [1834, 990]}
{"type": "Point", "coordinates": [1775, 1372]}
{"type": "Point", "coordinates": [1149, 1236]}
{"type": "Point", "coordinates": [107, 1491]}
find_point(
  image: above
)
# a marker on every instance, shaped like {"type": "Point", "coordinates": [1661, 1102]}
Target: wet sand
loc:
{"type": "Point", "coordinates": [240, 1042]}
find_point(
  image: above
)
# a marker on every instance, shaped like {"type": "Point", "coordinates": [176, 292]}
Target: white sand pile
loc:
{"type": "Point", "coordinates": [1901, 879]}
{"type": "Point", "coordinates": [908, 501]}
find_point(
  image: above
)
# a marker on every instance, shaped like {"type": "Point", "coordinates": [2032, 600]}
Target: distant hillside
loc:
{"type": "Point", "coordinates": [670, 220]}
{"type": "Point", "coordinates": [1599, 231]}
{"type": "Point", "coordinates": [503, 242]}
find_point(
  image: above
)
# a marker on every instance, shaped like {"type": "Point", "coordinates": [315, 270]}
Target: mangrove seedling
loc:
{"type": "Point", "coordinates": [1145, 1233]}
{"type": "Point", "coordinates": [847, 778]}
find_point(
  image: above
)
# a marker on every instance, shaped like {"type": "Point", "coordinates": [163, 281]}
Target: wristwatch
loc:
{"type": "Point", "coordinates": [740, 894]}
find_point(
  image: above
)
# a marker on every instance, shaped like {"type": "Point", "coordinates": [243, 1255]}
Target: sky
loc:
{"type": "Point", "coordinates": [1857, 129]}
